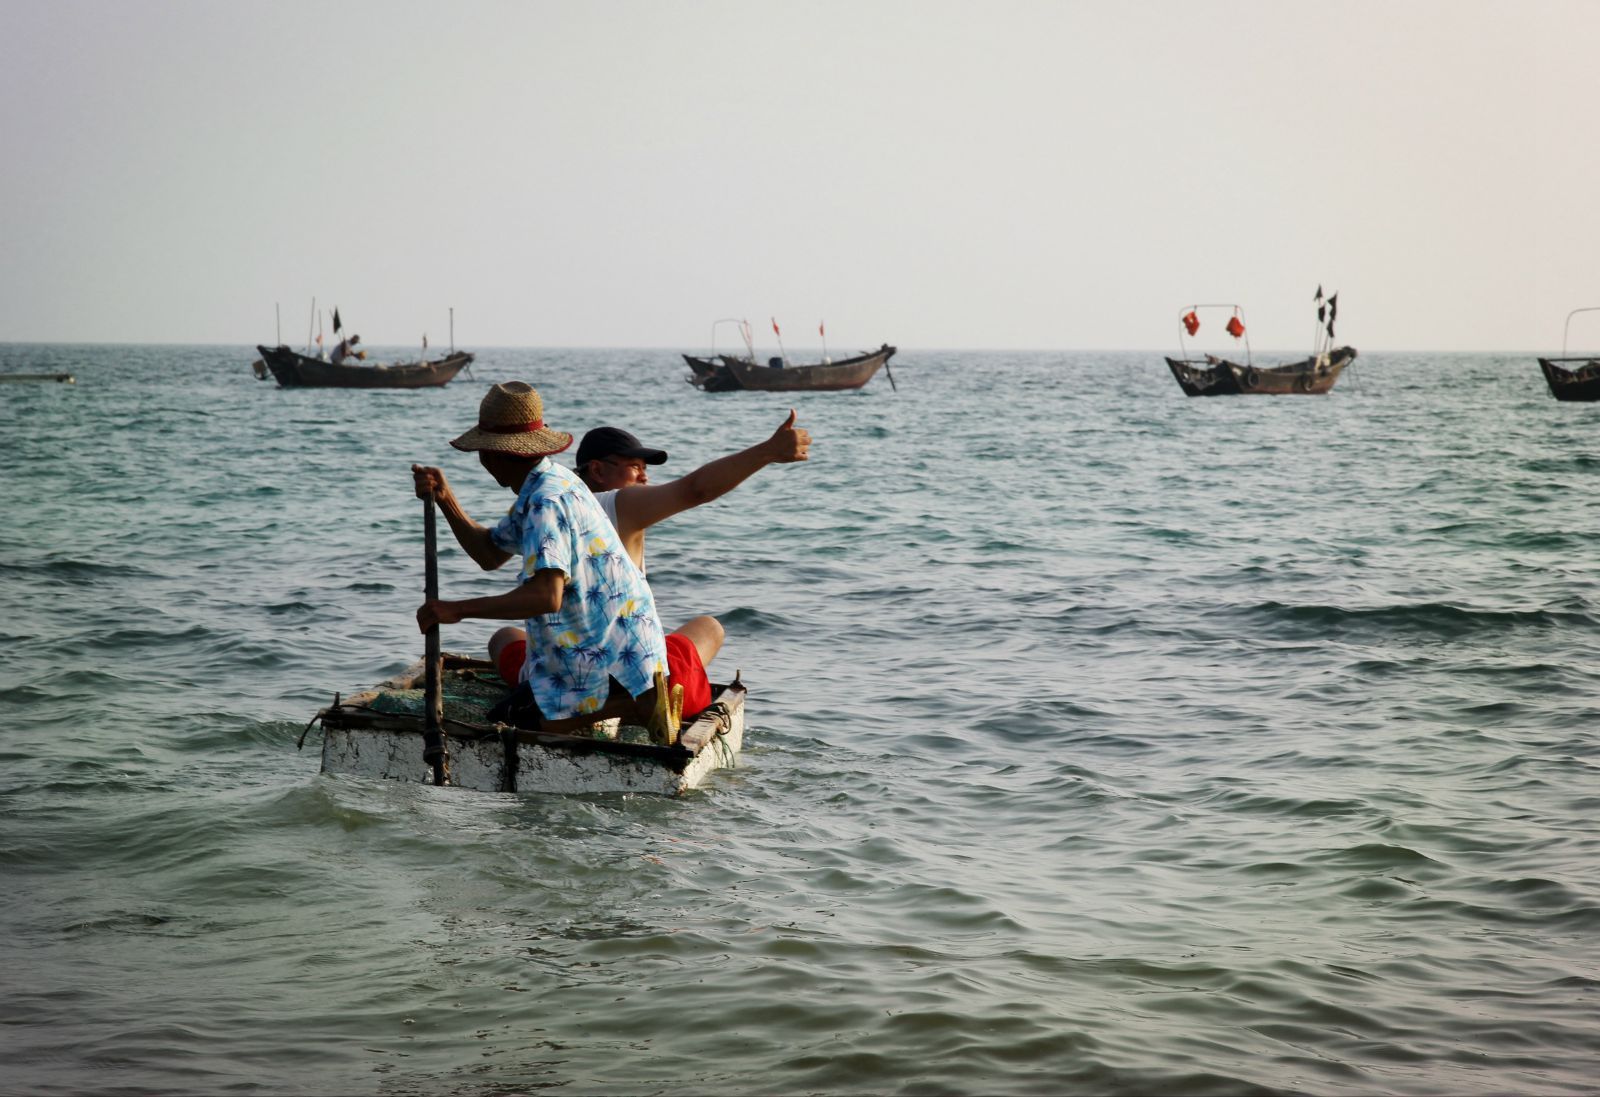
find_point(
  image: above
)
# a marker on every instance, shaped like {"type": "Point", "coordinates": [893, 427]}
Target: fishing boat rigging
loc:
{"type": "Point", "coordinates": [1210, 375]}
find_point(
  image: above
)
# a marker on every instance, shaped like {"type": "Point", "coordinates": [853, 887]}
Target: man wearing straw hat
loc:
{"type": "Point", "coordinates": [590, 618]}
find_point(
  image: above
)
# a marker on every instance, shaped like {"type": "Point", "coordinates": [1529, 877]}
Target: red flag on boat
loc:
{"type": "Point", "coordinates": [775, 330]}
{"type": "Point", "coordinates": [1235, 327]}
{"type": "Point", "coordinates": [821, 329]}
{"type": "Point", "coordinates": [1191, 321]}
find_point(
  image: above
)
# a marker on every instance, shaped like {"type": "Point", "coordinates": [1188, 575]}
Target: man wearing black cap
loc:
{"type": "Point", "coordinates": [613, 463]}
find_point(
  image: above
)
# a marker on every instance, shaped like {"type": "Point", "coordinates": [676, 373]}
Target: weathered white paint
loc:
{"type": "Point", "coordinates": [480, 764]}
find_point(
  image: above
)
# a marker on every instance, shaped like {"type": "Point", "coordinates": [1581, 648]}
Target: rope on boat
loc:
{"type": "Point", "coordinates": [724, 720]}
{"type": "Point", "coordinates": [301, 744]}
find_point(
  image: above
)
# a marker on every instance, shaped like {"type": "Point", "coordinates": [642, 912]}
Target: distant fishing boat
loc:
{"type": "Point", "coordinates": [733, 373]}
{"type": "Point", "coordinates": [1220, 377]}
{"type": "Point", "coordinates": [726, 373]}
{"type": "Point", "coordinates": [1210, 375]}
{"type": "Point", "coordinates": [55, 378]}
{"type": "Point", "coordinates": [380, 733]}
{"type": "Point", "coordinates": [1575, 379]}
{"type": "Point", "coordinates": [296, 370]}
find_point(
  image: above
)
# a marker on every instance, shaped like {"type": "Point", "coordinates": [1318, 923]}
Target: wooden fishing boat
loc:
{"type": "Point", "coordinates": [730, 373]}
{"type": "Point", "coordinates": [1212, 376]}
{"type": "Point", "coordinates": [380, 733]}
{"type": "Point", "coordinates": [54, 378]}
{"type": "Point", "coordinates": [1576, 379]}
{"type": "Point", "coordinates": [704, 372]}
{"type": "Point", "coordinates": [295, 370]}
{"type": "Point", "coordinates": [1572, 378]}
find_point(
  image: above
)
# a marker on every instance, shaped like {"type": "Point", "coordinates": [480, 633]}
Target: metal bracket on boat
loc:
{"type": "Point", "coordinates": [313, 723]}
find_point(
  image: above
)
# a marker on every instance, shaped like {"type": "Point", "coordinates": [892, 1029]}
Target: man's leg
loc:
{"type": "Point", "coordinates": [507, 649]}
{"type": "Point", "coordinates": [689, 650]}
{"type": "Point", "coordinates": [706, 634]}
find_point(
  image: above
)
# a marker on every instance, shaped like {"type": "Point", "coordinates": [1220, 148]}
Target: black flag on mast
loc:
{"type": "Point", "coordinates": [336, 324]}
{"type": "Point", "coordinates": [1321, 309]}
{"type": "Point", "coordinates": [1333, 312]}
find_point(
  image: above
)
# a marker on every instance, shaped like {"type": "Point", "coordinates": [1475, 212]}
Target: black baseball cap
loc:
{"type": "Point", "coordinates": [603, 442]}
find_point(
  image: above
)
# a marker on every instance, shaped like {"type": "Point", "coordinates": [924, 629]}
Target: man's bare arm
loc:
{"type": "Point", "coordinates": [639, 508]}
{"type": "Point", "coordinates": [473, 538]}
{"type": "Point", "coordinates": [538, 596]}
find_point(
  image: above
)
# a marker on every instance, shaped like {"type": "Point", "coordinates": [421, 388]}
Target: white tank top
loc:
{"type": "Point", "coordinates": [608, 503]}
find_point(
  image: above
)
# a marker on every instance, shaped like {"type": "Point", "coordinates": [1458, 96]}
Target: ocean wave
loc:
{"type": "Point", "coordinates": [1434, 618]}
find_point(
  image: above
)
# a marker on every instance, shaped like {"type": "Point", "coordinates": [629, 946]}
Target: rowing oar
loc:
{"type": "Point", "coordinates": [889, 373]}
{"type": "Point", "coordinates": [433, 749]}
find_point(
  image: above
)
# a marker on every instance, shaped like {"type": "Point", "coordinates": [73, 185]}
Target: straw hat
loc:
{"type": "Point", "coordinates": [511, 420]}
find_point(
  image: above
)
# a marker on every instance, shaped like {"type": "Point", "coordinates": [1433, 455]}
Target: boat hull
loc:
{"type": "Point", "coordinates": [1577, 385]}
{"type": "Point", "coordinates": [295, 370]}
{"type": "Point", "coordinates": [361, 741]}
{"type": "Point", "coordinates": [726, 373]}
{"type": "Point", "coordinates": [56, 378]}
{"type": "Point", "coordinates": [1218, 377]}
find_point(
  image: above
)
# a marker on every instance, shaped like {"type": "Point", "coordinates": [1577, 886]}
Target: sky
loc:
{"type": "Point", "coordinates": [933, 174]}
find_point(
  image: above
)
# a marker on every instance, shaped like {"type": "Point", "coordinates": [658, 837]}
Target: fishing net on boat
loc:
{"type": "Point", "coordinates": [468, 697]}
{"type": "Point", "coordinates": [470, 694]}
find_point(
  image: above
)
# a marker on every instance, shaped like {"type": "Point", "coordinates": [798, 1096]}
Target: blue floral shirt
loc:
{"type": "Point", "coordinates": [607, 624]}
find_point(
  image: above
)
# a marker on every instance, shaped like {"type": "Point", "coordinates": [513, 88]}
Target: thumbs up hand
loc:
{"type": "Point", "coordinates": [789, 443]}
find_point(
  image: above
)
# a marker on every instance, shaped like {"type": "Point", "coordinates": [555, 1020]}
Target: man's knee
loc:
{"type": "Point", "coordinates": [507, 648]}
{"type": "Point", "coordinates": [706, 633]}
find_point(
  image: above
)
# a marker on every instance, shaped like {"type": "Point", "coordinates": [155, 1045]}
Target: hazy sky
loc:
{"type": "Point", "coordinates": [927, 173]}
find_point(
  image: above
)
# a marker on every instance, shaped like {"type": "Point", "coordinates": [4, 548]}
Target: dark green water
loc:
{"type": "Point", "coordinates": [1102, 740]}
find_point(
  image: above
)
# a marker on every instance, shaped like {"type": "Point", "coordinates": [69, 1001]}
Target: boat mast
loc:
{"type": "Point", "coordinates": [311, 325]}
{"type": "Point", "coordinates": [1567, 327]}
{"type": "Point", "coordinates": [781, 352]}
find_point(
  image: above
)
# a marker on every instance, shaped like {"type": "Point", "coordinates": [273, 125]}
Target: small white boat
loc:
{"type": "Point", "coordinates": [379, 733]}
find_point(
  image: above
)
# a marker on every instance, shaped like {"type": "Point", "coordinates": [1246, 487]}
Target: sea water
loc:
{"type": "Point", "coordinates": [1101, 740]}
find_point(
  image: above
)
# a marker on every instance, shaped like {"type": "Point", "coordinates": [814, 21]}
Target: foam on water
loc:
{"type": "Point", "coordinates": [1100, 739]}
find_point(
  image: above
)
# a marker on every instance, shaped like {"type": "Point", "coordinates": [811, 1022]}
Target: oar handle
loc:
{"type": "Point", "coordinates": [433, 748]}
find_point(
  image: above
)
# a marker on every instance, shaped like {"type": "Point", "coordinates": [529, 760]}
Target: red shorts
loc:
{"type": "Point", "coordinates": [511, 657]}
{"type": "Point", "coordinates": [683, 669]}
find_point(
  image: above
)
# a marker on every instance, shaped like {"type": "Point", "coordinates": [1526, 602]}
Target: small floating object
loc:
{"type": "Point", "coordinates": [59, 378]}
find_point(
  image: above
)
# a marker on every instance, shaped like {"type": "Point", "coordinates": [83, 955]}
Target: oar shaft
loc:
{"type": "Point", "coordinates": [433, 751]}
